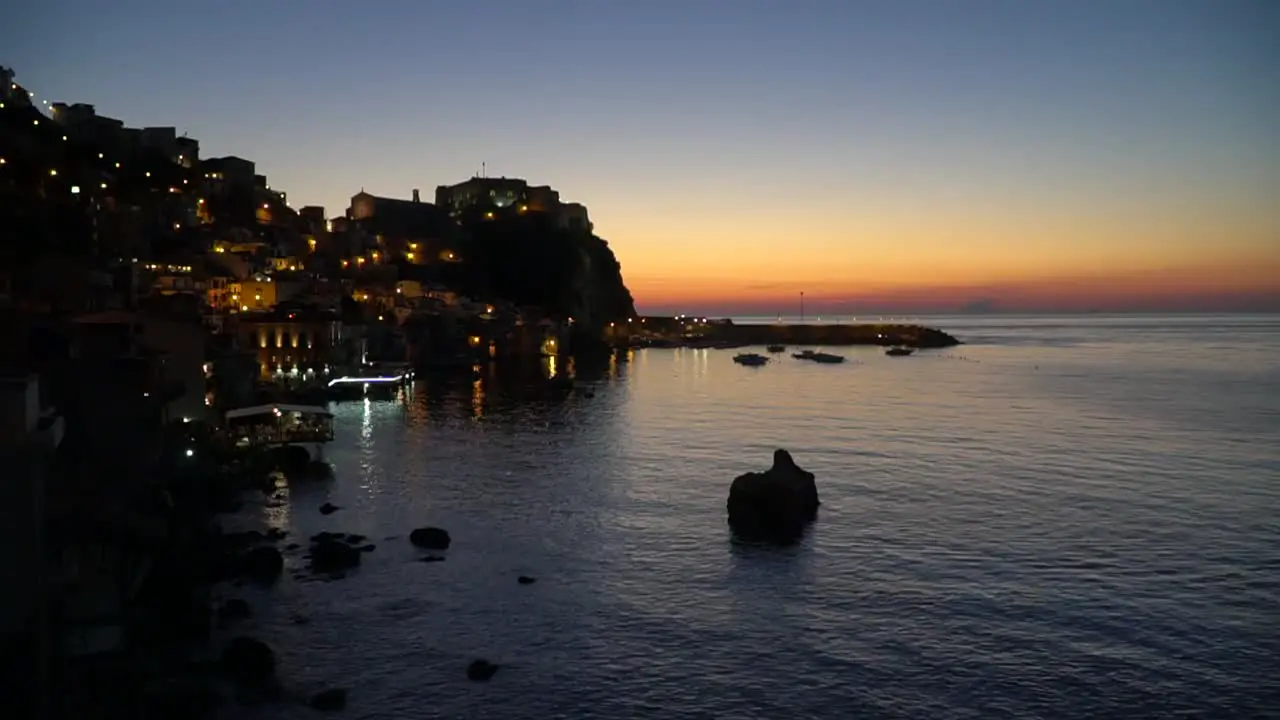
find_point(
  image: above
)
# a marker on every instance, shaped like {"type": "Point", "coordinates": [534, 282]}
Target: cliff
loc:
{"type": "Point", "coordinates": [526, 260]}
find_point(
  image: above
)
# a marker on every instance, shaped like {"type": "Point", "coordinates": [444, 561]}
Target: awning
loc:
{"type": "Point", "coordinates": [273, 409]}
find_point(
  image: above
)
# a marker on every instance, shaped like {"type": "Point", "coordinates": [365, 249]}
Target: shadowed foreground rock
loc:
{"type": "Point", "coordinates": [331, 556]}
{"type": "Point", "coordinates": [773, 506]}
{"type": "Point", "coordinates": [328, 700]}
{"type": "Point", "coordinates": [431, 538]}
{"type": "Point", "coordinates": [249, 662]}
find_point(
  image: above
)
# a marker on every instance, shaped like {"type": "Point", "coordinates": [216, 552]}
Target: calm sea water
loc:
{"type": "Point", "coordinates": [1064, 518]}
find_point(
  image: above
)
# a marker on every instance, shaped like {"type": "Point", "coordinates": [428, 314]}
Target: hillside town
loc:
{"type": "Point", "coordinates": [148, 294]}
{"type": "Point", "coordinates": [131, 232]}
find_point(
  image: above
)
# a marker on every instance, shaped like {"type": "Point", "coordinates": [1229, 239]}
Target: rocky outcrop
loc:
{"type": "Point", "coordinates": [481, 670]}
{"type": "Point", "coordinates": [332, 556]}
{"type": "Point", "coordinates": [775, 505]}
{"type": "Point", "coordinates": [249, 662]}
{"type": "Point", "coordinates": [431, 538]}
{"type": "Point", "coordinates": [329, 700]}
{"type": "Point", "coordinates": [234, 609]}
{"type": "Point", "coordinates": [262, 564]}
{"type": "Point", "coordinates": [527, 259]}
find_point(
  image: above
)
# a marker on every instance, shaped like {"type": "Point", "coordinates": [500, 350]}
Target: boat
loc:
{"type": "Point", "coordinates": [803, 355]}
{"type": "Point", "coordinates": [750, 359]}
{"type": "Point", "coordinates": [899, 351]}
{"type": "Point", "coordinates": [776, 348]}
{"type": "Point", "coordinates": [827, 358]}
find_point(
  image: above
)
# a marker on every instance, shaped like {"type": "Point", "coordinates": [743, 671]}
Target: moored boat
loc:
{"type": "Point", "coordinates": [751, 359]}
{"type": "Point", "coordinates": [803, 355]}
{"type": "Point", "coordinates": [776, 348]}
{"type": "Point", "coordinates": [827, 358]}
{"type": "Point", "coordinates": [899, 351]}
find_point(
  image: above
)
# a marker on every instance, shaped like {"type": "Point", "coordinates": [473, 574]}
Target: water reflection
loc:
{"type": "Point", "coordinates": [276, 513]}
{"type": "Point", "coordinates": [366, 424]}
{"type": "Point", "coordinates": [477, 398]}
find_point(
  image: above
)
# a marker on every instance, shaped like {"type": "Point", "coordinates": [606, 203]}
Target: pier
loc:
{"type": "Point", "coordinates": [281, 425]}
{"type": "Point", "coordinates": [704, 332]}
{"type": "Point", "coordinates": [381, 374]}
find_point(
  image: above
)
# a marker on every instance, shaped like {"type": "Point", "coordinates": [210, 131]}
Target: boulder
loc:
{"type": "Point", "coordinates": [431, 538]}
{"type": "Point", "coordinates": [332, 556]}
{"type": "Point", "coordinates": [481, 670]}
{"type": "Point", "coordinates": [774, 505]}
{"type": "Point", "coordinates": [328, 700]}
{"type": "Point", "coordinates": [262, 564]}
{"type": "Point", "coordinates": [234, 609]}
{"type": "Point", "coordinates": [319, 470]}
{"type": "Point", "coordinates": [328, 509]}
{"type": "Point", "coordinates": [249, 662]}
{"type": "Point", "coordinates": [183, 697]}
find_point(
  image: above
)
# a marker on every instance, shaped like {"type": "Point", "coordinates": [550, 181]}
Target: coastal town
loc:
{"type": "Point", "coordinates": [175, 330]}
{"type": "Point", "coordinates": [152, 296]}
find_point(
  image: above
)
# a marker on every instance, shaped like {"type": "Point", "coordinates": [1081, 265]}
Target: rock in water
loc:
{"type": "Point", "coordinates": [481, 670]}
{"type": "Point", "coordinates": [262, 564]}
{"type": "Point", "coordinates": [774, 505]}
{"type": "Point", "coordinates": [431, 538]}
{"type": "Point", "coordinates": [332, 699]}
{"type": "Point", "coordinates": [331, 556]}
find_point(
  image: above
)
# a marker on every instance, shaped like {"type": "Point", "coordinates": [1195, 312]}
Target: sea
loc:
{"type": "Point", "coordinates": [1064, 517]}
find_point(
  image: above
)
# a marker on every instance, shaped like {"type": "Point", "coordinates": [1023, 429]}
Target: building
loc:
{"type": "Point", "coordinates": [254, 294]}
{"type": "Point", "coordinates": [83, 123]}
{"type": "Point", "coordinates": [492, 196]}
{"type": "Point", "coordinates": [400, 229]}
{"type": "Point", "coordinates": [573, 216]}
{"type": "Point", "coordinates": [499, 192]}
{"type": "Point", "coordinates": [400, 217]}
{"type": "Point", "coordinates": [172, 348]}
{"type": "Point", "coordinates": [7, 84]}
{"type": "Point", "coordinates": [188, 151]}
{"type": "Point", "coordinates": [313, 219]}
{"type": "Point", "coordinates": [297, 342]}
{"type": "Point", "coordinates": [228, 173]}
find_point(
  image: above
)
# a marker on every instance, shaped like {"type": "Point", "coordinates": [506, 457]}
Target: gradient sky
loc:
{"type": "Point", "coordinates": [914, 155]}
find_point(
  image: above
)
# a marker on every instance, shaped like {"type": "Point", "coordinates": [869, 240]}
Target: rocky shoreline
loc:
{"type": "Point", "coordinates": [186, 656]}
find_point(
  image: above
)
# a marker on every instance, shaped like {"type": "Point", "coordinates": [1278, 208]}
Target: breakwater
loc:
{"type": "Point", "coordinates": [727, 334]}
{"type": "Point", "coordinates": [868, 334]}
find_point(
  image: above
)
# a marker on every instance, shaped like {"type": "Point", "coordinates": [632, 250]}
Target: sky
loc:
{"type": "Point", "coordinates": [876, 155]}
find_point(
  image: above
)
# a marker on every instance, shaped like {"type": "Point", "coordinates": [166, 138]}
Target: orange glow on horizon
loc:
{"type": "Point", "coordinates": [949, 258]}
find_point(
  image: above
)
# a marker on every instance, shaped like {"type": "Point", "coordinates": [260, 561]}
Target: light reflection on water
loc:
{"type": "Point", "coordinates": [1063, 519]}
